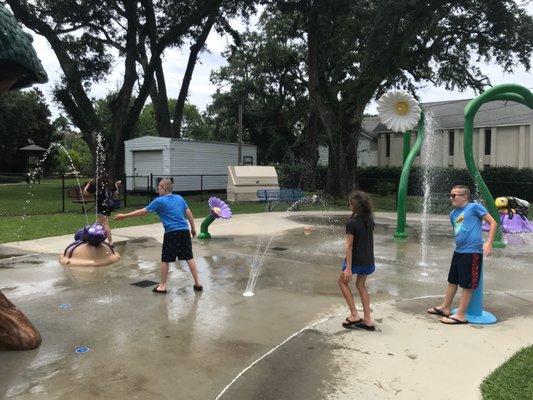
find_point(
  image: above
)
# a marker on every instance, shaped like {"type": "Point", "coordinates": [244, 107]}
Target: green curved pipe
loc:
{"type": "Point", "coordinates": [510, 92]}
{"type": "Point", "coordinates": [404, 180]}
{"type": "Point", "coordinates": [204, 228]}
{"type": "Point", "coordinates": [406, 145]}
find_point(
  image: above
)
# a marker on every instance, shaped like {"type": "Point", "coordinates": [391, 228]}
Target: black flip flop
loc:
{"type": "Point", "coordinates": [348, 324]}
{"type": "Point", "coordinates": [438, 311]}
{"type": "Point", "coordinates": [155, 290]}
{"type": "Point", "coordinates": [456, 321]}
{"type": "Point", "coordinates": [366, 327]}
{"type": "Point", "coordinates": [197, 288]}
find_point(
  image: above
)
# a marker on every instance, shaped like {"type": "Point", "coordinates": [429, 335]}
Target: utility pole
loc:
{"type": "Point", "coordinates": [239, 138]}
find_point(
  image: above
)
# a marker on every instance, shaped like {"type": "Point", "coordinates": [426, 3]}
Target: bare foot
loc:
{"type": "Point", "coordinates": [353, 318]}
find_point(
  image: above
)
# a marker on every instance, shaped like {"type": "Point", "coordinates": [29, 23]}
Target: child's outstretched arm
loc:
{"type": "Point", "coordinates": [190, 217]}
{"type": "Point", "coordinates": [137, 213]}
{"type": "Point", "coordinates": [348, 246]}
{"type": "Point", "coordinates": [487, 247]}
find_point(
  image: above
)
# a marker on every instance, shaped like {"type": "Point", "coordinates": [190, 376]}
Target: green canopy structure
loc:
{"type": "Point", "coordinates": [16, 49]}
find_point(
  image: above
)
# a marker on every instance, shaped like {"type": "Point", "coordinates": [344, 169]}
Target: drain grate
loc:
{"type": "Point", "coordinates": [279, 248]}
{"type": "Point", "coordinates": [144, 283]}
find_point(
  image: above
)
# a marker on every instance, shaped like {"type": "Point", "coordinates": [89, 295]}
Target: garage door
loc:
{"type": "Point", "coordinates": [146, 162]}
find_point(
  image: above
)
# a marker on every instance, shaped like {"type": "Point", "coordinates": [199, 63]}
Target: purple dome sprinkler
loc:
{"type": "Point", "coordinates": [217, 209]}
{"type": "Point", "coordinates": [89, 248]}
{"type": "Point", "coordinates": [93, 234]}
{"type": "Point", "coordinates": [96, 234]}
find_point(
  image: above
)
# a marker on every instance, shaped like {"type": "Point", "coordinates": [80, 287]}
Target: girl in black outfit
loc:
{"type": "Point", "coordinates": [359, 256]}
{"type": "Point", "coordinates": [105, 196]}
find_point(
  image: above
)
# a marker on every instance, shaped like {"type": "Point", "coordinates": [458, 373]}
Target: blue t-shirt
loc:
{"type": "Point", "coordinates": [466, 223]}
{"type": "Point", "coordinates": [171, 210]}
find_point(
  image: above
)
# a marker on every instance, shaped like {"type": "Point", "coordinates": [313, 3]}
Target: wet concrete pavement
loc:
{"type": "Point", "coordinates": [191, 346]}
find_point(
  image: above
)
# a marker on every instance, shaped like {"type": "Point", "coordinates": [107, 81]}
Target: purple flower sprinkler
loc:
{"type": "Point", "coordinates": [217, 209]}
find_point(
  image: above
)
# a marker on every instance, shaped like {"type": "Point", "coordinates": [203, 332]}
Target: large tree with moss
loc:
{"type": "Point", "coordinates": [90, 39]}
{"type": "Point", "coordinates": [356, 49]}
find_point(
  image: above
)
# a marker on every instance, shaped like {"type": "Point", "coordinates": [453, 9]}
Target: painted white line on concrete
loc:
{"type": "Point", "coordinates": [270, 352]}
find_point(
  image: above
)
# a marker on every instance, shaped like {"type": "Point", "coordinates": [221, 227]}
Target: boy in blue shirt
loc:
{"type": "Point", "coordinates": [172, 211]}
{"type": "Point", "coordinates": [465, 269]}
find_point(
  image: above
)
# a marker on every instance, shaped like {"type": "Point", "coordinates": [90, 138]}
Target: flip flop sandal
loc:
{"type": "Point", "coordinates": [350, 323]}
{"type": "Point", "coordinates": [457, 321]}
{"type": "Point", "coordinates": [155, 290]}
{"type": "Point", "coordinates": [366, 327]}
{"type": "Point", "coordinates": [438, 311]}
{"type": "Point", "coordinates": [197, 288]}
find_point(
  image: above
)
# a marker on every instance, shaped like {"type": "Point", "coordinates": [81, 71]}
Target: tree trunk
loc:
{"type": "Point", "coordinates": [159, 98]}
{"type": "Point", "coordinates": [184, 90]}
{"type": "Point", "coordinates": [358, 127]}
{"type": "Point", "coordinates": [16, 331]}
{"type": "Point", "coordinates": [333, 170]}
{"type": "Point", "coordinates": [350, 127]}
{"type": "Point", "coordinates": [310, 154]}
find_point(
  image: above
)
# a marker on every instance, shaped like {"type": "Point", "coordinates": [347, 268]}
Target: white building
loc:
{"type": "Point", "coordinates": [503, 135]}
{"type": "Point", "coordinates": [193, 165]}
{"type": "Point", "coordinates": [367, 149]}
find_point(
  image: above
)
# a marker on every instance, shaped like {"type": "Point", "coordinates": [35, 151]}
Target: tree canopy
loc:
{"type": "Point", "coordinates": [24, 120]}
{"type": "Point", "coordinates": [355, 50]}
{"type": "Point", "coordinates": [303, 77]}
{"type": "Point", "coordinates": [90, 38]}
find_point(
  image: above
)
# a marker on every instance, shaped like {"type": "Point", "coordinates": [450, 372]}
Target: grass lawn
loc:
{"type": "Point", "coordinates": [513, 380]}
{"type": "Point", "coordinates": [45, 198]}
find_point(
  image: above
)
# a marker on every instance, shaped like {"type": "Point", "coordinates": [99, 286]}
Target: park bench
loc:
{"type": "Point", "coordinates": [74, 194]}
{"type": "Point", "coordinates": [278, 196]}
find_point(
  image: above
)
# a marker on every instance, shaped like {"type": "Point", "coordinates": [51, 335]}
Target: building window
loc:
{"type": "Point", "coordinates": [488, 137]}
{"type": "Point", "coordinates": [247, 160]}
{"type": "Point", "coordinates": [451, 142]}
{"type": "Point", "coordinates": [387, 141]}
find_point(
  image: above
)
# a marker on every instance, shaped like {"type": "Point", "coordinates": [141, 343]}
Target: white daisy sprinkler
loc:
{"type": "Point", "coordinates": [399, 110]}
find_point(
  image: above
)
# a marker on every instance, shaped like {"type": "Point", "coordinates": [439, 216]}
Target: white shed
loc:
{"type": "Point", "coordinates": [193, 165]}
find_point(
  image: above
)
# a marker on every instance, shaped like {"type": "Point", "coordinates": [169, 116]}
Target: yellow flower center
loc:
{"type": "Point", "coordinates": [402, 107]}
{"type": "Point", "coordinates": [216, 210]}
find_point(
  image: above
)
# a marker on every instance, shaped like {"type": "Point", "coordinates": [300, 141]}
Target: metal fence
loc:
{"type": "Point", "coordinates": [56, 193]}
{"type": "Point", "coordinates": [50, 194]}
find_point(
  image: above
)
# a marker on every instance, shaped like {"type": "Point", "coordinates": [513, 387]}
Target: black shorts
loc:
{"type": "Point", "coordinates": [105, 211]}
{"type": "Point", "coordinates": [465, 270]}
{"type": "Point", "coordinates": [177, 244]}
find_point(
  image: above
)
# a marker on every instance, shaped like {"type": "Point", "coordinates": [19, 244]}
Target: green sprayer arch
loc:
{"type": "Point", "coordinates": [509, 92]}
{"type": "Point", "coordinates": [404, 179]}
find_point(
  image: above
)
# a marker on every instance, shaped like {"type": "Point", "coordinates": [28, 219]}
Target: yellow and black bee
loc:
{"type": "Point", "coordinates": [512, 205]}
